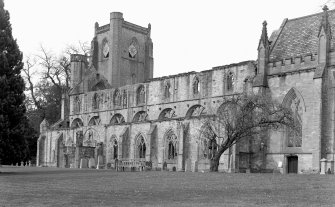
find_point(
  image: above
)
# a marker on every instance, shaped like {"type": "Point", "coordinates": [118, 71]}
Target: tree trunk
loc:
{"type": "Point", "coordinates": [215, 161]}
{"type": "Point", "coordinates": [214, 164]}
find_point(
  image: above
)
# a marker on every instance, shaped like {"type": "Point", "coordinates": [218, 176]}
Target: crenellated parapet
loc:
{"type": "Point", "coordinates": [293, 64]}
{"type": "Point", "coordinates": [78, 58]}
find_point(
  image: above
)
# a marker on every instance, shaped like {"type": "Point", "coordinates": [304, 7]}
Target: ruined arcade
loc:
{"type": "Point", "coordinates": [116, 110]}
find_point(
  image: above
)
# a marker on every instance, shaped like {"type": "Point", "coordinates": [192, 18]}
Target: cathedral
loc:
{"type": "Point", "coordinates": [116, 112]}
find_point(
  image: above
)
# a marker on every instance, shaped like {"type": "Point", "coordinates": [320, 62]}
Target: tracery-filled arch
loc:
{"type": "Point", "coordinates": [117, 119]}
{"type": "Point", "coordinates": [196, 110]}
{"type": "Point", "coordinates": [140, 116]}
{"type": "Point", "coordinates": [167, 114]}
{"type": "Point", "coordinates": [77, 123]}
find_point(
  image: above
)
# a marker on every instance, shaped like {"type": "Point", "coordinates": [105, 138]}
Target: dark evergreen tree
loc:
{"type": "Point", "coordinates": [15, 133]}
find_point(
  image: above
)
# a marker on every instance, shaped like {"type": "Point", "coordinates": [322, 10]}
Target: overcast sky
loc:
{"type": "Point", "coordinates": [188, 35]}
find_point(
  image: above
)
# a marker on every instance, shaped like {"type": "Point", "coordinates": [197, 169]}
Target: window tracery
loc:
{"type": "Point", "coordinates": [140, 96]}
{"type": "Point", "coordinates": [117, 99]}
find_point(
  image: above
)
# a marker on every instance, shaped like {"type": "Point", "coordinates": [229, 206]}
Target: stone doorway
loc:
{"type": "Point", "coordinates": [292, 164]}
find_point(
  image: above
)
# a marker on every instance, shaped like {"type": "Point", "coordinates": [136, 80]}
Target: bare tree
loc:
{"type": "Point", "coordinates": [47, 77]}
{"type": "Point", "coordinates": [242, 117]}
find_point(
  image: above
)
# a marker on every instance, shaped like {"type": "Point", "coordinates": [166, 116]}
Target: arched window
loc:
{"type": "Point", "coordinates": [294, 101]}
{"type": "Point", "coordinates": [117, 119]}
{"type": "Point", "coordinates": [230, 81]}
{"type": "Point", "coordinates": [141, 147]}
{"type": "Point", "coordinates": [209, 146]}
{"type": "Point", "coordinates": [140, 95]}
{"type": "Point", "coordinates": [167, 90]}
{"type": "Point", "coordinates": [117, 98]}
{"type": "Point", "coordinates": [76, 123]}
{"type": "Point", "coordinates": [115, 150]}
{"type": "Point", "coordinates": [95, 120]}
{"type": "Point", "coordinates": [96, 101]}
{"type": "Point", "coordinates": [77, 104]}
{"type": "Point", "coordinates": [171, 146]}
{"type": "Point", "coordinates": [196, 86]}
{"type": "Point", "coordinates": [194, 111]}
{"type": "Point", "coordinates": [132, 49]}
{"type": "Point", "coordinates": [140, 116]}
{"type": "Point", "coordinates": [105, 49]}
{"type": "Point", "coordinates": [167, 114]}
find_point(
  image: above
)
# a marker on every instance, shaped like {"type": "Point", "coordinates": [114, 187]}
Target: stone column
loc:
{"type": "Point", "coordinates": [180, 147]}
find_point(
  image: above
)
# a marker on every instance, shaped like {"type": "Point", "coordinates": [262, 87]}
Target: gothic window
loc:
{"type": "Point", "coordinates": [89, 140]}
{"type": "Point", "coordinates": [77, 104]}
{"type": "Point", "coordinates": [140, 95]}
{"type": "Point", "coordinates": [167, 90]}
{"type": "Point", "coordinates": [172, 146]}
{"type": "Point", "coordinates": [117, 119]}
{"type": "Point", "coordinates": [105, 49]}
{"type": "Point", "coordinates": [294, 137]}
{"type": "Point", "coordinates": [115, 150]}
{"type": "Point", "coordinates": [141, 148]}
{"type": "Point", "coordinates": [196, 86]}
{"type": "Point", "coordinates": [124, 99]}
{"type": "Point", "coordinates": [208, 145]}
{"type": "Point", "coordinates": [132, 49]}
{"type": "Point", "coordinates": [140, 116]}
{"type": "Point", "coordinates": [95, 120]}
{"type": "Point", "coordinates": [96, 101]}
{"type": "Point", "coordinates": [296, 105]}
{"type": "Point", "coordinates": [230, 81]}
{"type": "Point", "coordinates": [117, 99]}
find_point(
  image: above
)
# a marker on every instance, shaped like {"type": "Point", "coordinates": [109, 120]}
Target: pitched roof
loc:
{"type": "Point", "coordinates": [299, 36]}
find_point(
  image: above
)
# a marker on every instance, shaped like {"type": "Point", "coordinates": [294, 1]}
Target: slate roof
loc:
{"type": "Point", "coordinates": [299, 36]}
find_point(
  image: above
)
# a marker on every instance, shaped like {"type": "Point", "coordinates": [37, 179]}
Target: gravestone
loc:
{"type": "Point", "coordinates": [29, 163]}
{"type": "Point", "coordinates": [22, 163]}
{"type": "Point", "coordinates": [17, 164]}
{"type": "Point", "coordinates": [91, 163]}
{"type": "Point", "coordinates": [83, 163]}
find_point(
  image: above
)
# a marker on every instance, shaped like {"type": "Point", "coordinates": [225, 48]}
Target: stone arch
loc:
{"type": "Point", "coordinates": [95, 120]}
{"type": "Point", "coordinates": [77, 123]}
{"type": "Point", "coordinates": [141, 147]}
{"type": "Point", "coordinates": [195, 110]}
{"type": "Point", "coordinates": [167, 114]}
{"type": "Point", "coordinates": [41, 150]}
{"type": "Point", "coordinates": [196, 85]}
{"type": "Point", "coordinates": [117, 119]}
{"type": "Point", "coordinates": [125, 145]}
{"type": "Point", "coordinates": [171, 147]}
{"type": "Point", "coordinates": [140, 116]}
{"type": "Point", "coordinates": [295, 102]}
{"type": "Point", "coordinates": [140, 95]}
{"type": "Point", "coordinates": [96, 101]}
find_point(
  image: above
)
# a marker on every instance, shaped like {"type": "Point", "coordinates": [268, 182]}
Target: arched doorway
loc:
{"type": "Point", "coordinates": [41, 151]}
{"type": "Point", "coordinates": [60, 152]}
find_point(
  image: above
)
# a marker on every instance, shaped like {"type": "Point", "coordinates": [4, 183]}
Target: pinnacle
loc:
{"type": "Point", "coordinates": [325, 8]}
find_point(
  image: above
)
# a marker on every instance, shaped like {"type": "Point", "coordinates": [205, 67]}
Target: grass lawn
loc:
{"type": "Point", "coordinates": [75, 187]}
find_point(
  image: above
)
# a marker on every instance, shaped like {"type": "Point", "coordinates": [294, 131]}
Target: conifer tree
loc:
{"type": "Point", "coordinates": [14, 127]}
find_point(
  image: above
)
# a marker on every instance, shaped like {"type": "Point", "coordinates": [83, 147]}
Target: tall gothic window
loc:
{"type": "Point", "coordinates": [140, 95]}
{"type": "Point", "coordinates": [196, 86]}
{"type": "Point", "coordinates": [124, 99]}
{"type": "Point", "coordinates": [115, 150]}
{"type": "Point", "coordinates": [141, 148]}
{"type": "Point", "coordinates": [293, 102]}
{"type": "Point", "coordinates": [117, 98]}
{"type": "Point", "coordinates": [172, 146]}
{"type": "Point", "coordinates": [96, 101]}
{"type": "Point", "coordinates": [167, 90]}
{"type": "Point", "coordinates": [230, 81]}
{"type": "Point", "coordinates": [77, 104]}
